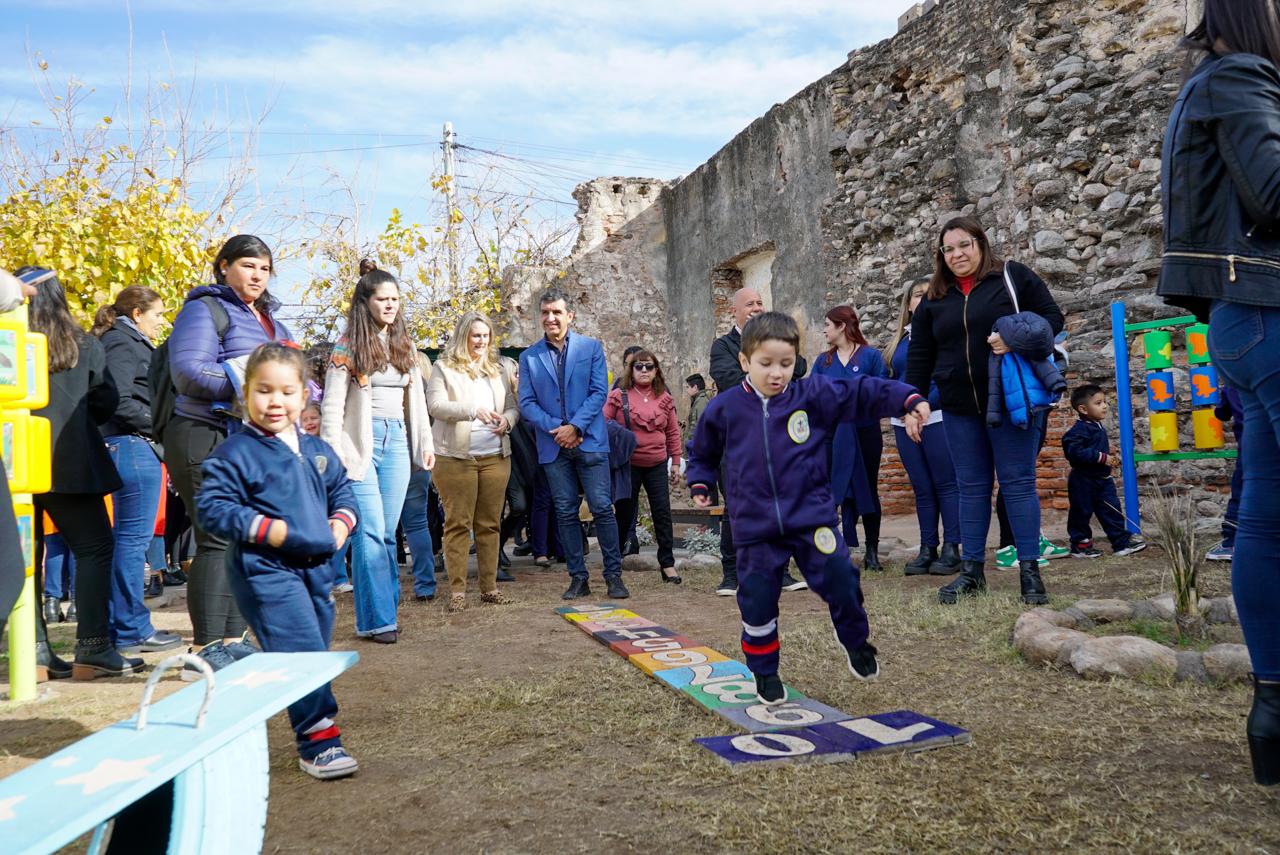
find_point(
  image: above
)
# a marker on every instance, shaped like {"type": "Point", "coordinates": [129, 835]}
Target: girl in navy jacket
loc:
{"type": "Point", "coordinates": [284, 503]}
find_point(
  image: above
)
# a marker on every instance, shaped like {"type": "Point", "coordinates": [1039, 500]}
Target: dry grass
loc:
{"type": "Point", "coordinates": [507, 730]}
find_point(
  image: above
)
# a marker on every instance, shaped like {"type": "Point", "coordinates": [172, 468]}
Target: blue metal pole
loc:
{"type": "Point", "coordinates": [1124, 407]}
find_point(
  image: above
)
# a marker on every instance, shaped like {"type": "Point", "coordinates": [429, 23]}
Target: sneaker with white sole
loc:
{"type": "Point", "coordinates": [863, 664]}
{"type": "Point", "coordinates": [331, 763]}
{"type": "Point", "coordinates": [791, 583]}
{"type": "Point", "coordinates": [728, 587]}
{"type": "Point", "coordinates": [1136, 544]}
{"type": "Point", "coordinates": [1221, 552]}
{"type": "Point", "coordinates": [1050, 551]}
{"type": "Point", "coordinates": [1007, 558]}
{"type": "Point", "coordinates": [769, 689]}
{"type": "Point", "coordinates": [1085, 550]}
{"type": "Point", "coordinates": [343, 588]}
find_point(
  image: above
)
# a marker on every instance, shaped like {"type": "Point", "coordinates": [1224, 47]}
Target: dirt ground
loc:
{"type": "Point", "coordinates": [505, 729]}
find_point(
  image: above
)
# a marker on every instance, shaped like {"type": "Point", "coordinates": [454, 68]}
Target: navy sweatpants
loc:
{"type": "Point", "coordinates": [1094, 495]}
{"type": "Point", "coordinates": [290, 610]}
{"type": "Point", "coordinates": [823, 558]}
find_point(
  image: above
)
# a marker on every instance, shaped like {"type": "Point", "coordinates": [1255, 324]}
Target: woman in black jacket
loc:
{"type": "Point", "coordinates": [126, 329]}
{"type": "Point", "coordinates": [82, 396]}
{"type": "Point", "coordinates": [951, 340]}
{"type": "Point", "coordinates": [1220, 174]}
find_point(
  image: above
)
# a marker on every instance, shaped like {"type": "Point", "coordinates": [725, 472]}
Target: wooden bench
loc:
{"type": "Point", "coordinates": [198, 757]}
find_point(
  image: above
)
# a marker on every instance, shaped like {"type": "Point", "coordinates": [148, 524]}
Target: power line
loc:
{"type": "Point", "coordinates": [594, 154]}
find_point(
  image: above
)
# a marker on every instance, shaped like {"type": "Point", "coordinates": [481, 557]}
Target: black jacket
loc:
{"type": "Point", "coordinates": [1220, 174]}
{"type": "Point", "coordinates": [727, 372]}
{"type": "Point", "coordinates": [949, 336]}
{"type": "Point", "coordinates": [81, 398]}
{"type": "Point", "coordinates": [128, 358]}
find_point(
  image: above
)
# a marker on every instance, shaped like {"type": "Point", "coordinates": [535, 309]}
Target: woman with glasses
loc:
{"type": "Point", "coordinates": [952, 337]}
{"type": "Point", "coordinates": [644, 406]}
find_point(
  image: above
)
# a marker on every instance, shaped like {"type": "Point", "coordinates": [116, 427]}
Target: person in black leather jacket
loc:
{"type": "Point", "coordinates": [1220, 175]}
{"type": "Point", "coordinates": [952, 337]}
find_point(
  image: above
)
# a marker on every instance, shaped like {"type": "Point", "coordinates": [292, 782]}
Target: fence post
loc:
{"type": "Point", "coordinates": [1124, 407]}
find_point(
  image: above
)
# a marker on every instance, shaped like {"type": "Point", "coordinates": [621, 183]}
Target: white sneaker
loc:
{"type": "Point", "coordinates": [344, 588]}
{"type": "Point", "coordinates": [332, 763]}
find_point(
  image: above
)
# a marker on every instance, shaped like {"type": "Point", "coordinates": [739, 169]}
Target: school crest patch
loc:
{"type": "Point", "coordinates": [798, 427]}
{"type": "Point", "coordinates": [321, 463]}
{"type": "Point", "coordinates": [825, 539]}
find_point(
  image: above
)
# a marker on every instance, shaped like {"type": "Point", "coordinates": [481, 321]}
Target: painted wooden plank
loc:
{"type": "Point", "coordinates": [585, 609]}
{"type": "Point", "coordinates": [599, 617]}
{"type": "Point", "coordinates": [678, 678]}
{"type": "Point", "coordinates": [92, 780]}
{"type": "Point", "coordinates": [902, 730]}
{"type": "Point", "coordinates": [802, 712]}
{"type": "Point", "coordinates": [774, 748]}
{"type": "Point", "coordinates": [592, 627]}
{"type": "Point", "coordinates": [738, 692]}
{"type": "Point", "coordinates": [630, 647]}
{"type": "Point", "coordinates": [651, 662]}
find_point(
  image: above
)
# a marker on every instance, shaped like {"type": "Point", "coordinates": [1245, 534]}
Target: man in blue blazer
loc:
{"type": "Point", "coordinates": [563, 384]}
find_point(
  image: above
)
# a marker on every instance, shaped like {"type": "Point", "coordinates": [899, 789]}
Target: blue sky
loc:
{"type": "Point", "coordinates": [572, 89]}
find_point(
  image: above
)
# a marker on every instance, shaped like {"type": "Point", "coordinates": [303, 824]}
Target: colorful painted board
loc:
{"type": "Point", "coordinates": [680, 678]}
{"type": "Point", "coordinates": [730, 692]}
{"type": "Point", "coordinates": [650, 662]}
{"type": "Point", "coordinates": [599, 615]}
{"type": "Point", "coordinates": [609, 636]}
{"type": "Point", "coordinates": [627, 648]}
{"type": "Point", "coordinates": [802, 712]}
{"type": "Point", "coordinates": [1204, 387]}
{"type": "Point", "coordinates": [595, 628]}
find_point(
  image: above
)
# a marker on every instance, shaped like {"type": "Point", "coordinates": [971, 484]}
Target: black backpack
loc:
{"type": "Point", "coordinates": [164, 396]}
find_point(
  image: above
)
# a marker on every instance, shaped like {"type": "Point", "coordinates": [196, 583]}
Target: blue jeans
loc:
{"type": "Point", "coordinates": [574, 467]}
{"type": "Point", "coordinates": [59, 562]}
{"type": "Point", "coordinates": [1244, 342]}
{"type": "Point", "coordinates": [155, 553]}
{"type": "Point", "coordinates": [417, 531]}
{"type": "Point", "coordinates": [134, 508]}
{"type": "Point", "coordinates": [981, 455]}
{"type": "Point", "coordinates": [374, 569]}
{"type": "Point", "coordinates": [932, 474]}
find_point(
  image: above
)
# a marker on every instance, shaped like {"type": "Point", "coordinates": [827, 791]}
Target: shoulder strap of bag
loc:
{"type": "Point", "coordinates": [626, 409]}
{"type": "Point", "coordinates": [1013, 292]}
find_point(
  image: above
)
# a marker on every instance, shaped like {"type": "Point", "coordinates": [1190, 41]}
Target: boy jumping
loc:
{"type": "Point", "coordinates": [1090, 487]}
{"type": "Point", "coordinates": [772, 434]}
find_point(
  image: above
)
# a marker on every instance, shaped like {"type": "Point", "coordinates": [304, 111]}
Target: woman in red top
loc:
{"type": "Point", "coordinates": [642, 404]}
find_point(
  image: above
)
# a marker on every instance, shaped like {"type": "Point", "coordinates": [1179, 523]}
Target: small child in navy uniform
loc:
{"type": "Point", "coordinates": [1090, 488]}
{"type": "Point", "coordinates": [284, 502]}
{"type": "Point", "coordinates": [772, 435]}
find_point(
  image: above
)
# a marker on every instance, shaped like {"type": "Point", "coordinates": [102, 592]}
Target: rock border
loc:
{"type": "Point", "coordinates": [1046, 636]}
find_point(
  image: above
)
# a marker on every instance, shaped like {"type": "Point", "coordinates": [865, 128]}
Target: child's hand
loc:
{"type": "Point", "coordinates": [915, 421]}
{"type": "Point", "coordinates": [340, 533]}
{"type": "Point", "coordinates": [701, 500]}
{"type": "Point", "coordinates": [277, 533]}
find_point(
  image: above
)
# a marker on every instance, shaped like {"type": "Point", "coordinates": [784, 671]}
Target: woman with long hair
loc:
{"type": "Point", "coordinates": [952, 338]}
{"type": "Point", "coordinates": [473, 408]}
{"type": "Point", "coordinates": [856, 449]}
{"type": "Point", "coordinates": [374, 414]}
{"type": "Point", "coordinates": [127, 329]}
{"type": "Point", "coordinates": [217, 328]}
{"type": "Point", "coordinates": [928, 463]}
{"type": "Point", "coordinates": [1221, 206]}
{"type": "Point", "coordinates": [82, 396]}
{"type": "Point", "coordinates": [643, 405]}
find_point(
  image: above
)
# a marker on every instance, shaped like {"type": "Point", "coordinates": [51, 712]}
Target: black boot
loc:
{"type": "Point", "coordinates": [504, 560]}
{"type": "Point", "coordinates": [871, 558]}
{"type": "Point", "coordinates": [54, 667]}
{"type": "Point", "coordinates": [920, 565]}
{"type": "Point", "coordinates": [615, 589]}
{"type": "Point", "coordinates": [578, 587]}
{"type": "Point", "coordinates": [948, 560]}
{"type": "Point", "coordinates": [95, 657]}
{"type": "Point", "coordinates": [52, 610]}
{"type": "Point", "coordinates": [154, 587]}
{"type": "Point", "coordinates": [1032, 587]}
{"type": "Point", "coordinates": [971, 582]}
{"type": "Point", "coordinates": [72, 615]}
{"type": "Point", "coordinates": [1263, 730]}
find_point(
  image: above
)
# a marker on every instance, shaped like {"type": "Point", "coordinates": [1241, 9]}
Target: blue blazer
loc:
{"type": "Point", "coordinates": [586, 384]}
{"type": "Point", "coordinates": [848, 473]}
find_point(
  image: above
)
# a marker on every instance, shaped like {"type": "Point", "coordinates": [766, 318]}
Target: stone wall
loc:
{"type": "Point", "coordinates": [1043, 118]}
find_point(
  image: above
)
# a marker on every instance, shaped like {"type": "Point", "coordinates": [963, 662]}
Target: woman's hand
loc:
{"type": "Point", "coordinates": [429, 461]}
{"type": "Point", "coordinates": [998, 347]}
{"type": "Point", "coordinates": [501, 426]}
{"type": "Point", "coordinates": [488, 417]}
{"type": "Point", "coordinates": [673, 473]}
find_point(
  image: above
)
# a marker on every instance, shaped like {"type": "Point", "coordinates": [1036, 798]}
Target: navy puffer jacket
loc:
{"type": "Point", "coordinates": [1032, 386]}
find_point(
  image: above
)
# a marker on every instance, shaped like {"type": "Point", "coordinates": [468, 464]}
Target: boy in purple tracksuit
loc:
{"type": "Point", "coordinates": [1090, 487]}
{"type": "Point", "coordinates": [772, 435]}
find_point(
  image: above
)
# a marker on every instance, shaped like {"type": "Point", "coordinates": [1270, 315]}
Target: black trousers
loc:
{"type": "Point", "coordinates": [83, 523]}
{"type": "Point", "coordinates": [654, 481]}
{"type": "Point", "coordinates": [1094, 495]}
{"type": "Point", "coordinates": [213, 610]}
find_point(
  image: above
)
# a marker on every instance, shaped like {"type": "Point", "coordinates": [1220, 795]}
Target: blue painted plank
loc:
{"type": "Point", "coordinates": [773, 748]}
{"type": "Point", "coordinates": [802, 712]}
{"type": "Point", "coordinates": [678, 678]}
{"type": "Point", "coordinates": [92, 780]}
{"type": "Point", "coordinates": [902, 730]}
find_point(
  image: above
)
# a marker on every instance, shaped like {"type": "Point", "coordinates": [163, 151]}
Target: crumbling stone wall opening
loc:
{"type": "Point", "coordinates": [751, 269]}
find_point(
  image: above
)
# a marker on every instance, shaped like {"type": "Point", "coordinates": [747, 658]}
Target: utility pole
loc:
{"type": "Point", "coordinates": [451, 204]}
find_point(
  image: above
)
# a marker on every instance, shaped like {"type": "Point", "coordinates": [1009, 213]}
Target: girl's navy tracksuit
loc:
{"type": "Point", "coordinates": [251, 480]}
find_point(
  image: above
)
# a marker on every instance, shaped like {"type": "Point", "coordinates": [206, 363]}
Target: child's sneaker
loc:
{"type": "Point", "coordinates": [1085, 550]}
{"type": "Point", "coordinates": [1221, 552]}
{"type": "Point", "coordinates": [332, 763]}
{"type": "Point", "coordinates": [1050, 551]}
{"type": "Point", "coordinates": [863, 664]}
{"type": "Point", "coordinates": [215, 656]}
{"type": "Point", "coordinates": [1135, 544]}
{"type": "Point", "coordinates": [242, 648]}
{"type": "Point", "coordinates": [769, 689]}
{"type": "Point", "coordinates": [791, 583]}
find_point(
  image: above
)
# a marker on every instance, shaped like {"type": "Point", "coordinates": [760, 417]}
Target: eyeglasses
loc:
{"type": "Point", "coordinates": [642, 366]}
{"type": "Point", "coordinates": [963, 246]}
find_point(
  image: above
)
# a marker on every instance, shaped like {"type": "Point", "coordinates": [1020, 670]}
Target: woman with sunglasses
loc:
{"type": "Point", "coordinates": [644, 406]}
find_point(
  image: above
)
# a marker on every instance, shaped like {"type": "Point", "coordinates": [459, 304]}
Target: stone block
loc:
{"type": "Point", "coordinates": [1190, 667]}
{"type": "Point", "coordinates": [1228, 663]}
{"type": "Point", "coordinates": [1163, 605]}
{"type": "Point", "coordinates": [1043, 643]}
{"type": "Point", "coordinates": [640, 563]}
{"type": "Point", "coordinates": [651, 662]}
{"type": "Point", "coordinates": [1123, 656]}
{"type": "Point", "coordinates": [696, 563]}
{"type": "Point", "coordinates": [802, 712]}
{"type": "Point", "coordinates": [1106, 611]}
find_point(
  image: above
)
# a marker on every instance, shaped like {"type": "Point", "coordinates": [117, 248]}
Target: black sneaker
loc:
{"type": "Point", "coordinates": [157, 642]}
{"type": "Point", "coordinates": [173, 580]}
{"type": "Point", "coordinates": [615, 589]}
{"type": "Point", "coordinates": [577, 588]}
{"type": "Point", "coordinates": [522, 550]}
{"type": "Point", "coordinates": [1087, 550]}
{"type": "Point", "coordinates": [728, 587]}
{"type": "Point", "coordinates": [1136, 544]}
{"type": "Point", "coordinates": [791, 583]}
{"type": "Point", "coordinates": [504, 576]}
{"type": "Point", "coordinates": [862, 662]}
{"type": "Point", "coordinates": [769, 689]}
{"type": "Point", "coordinates": [154, 587]}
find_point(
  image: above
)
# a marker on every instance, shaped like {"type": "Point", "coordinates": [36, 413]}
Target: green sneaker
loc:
{"type": "Point", "coordinates": [1007, 558]}
{"type": "Point", "coordinates": [1050, 551]}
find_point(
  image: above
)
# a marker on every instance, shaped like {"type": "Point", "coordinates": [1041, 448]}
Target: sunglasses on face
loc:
{"type": "Point", "coordinates": [642, 366]}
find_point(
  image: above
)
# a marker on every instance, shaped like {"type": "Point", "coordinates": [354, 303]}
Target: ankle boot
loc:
{"type": "Point", "coordinates": [1032, 587]}
{"type": "Point", "coordinates": [920, 565]}
{"type": "Point", "coordinates": [948, 560]}
{"type": "Point", "coordinates": [52, 611]}
{"type": "Point", "coordinates": [1263, 730]}
{"type": "Point", "coordinates": [72, 615]}
{"type": "Point", "coordinates": [95, 657]}
{"type": "Point", "coordinates": [50, 663]}
{"type": "Point", "coordinates": [971, 582]}
{"type": "Point", "coordinates": [871, 558]}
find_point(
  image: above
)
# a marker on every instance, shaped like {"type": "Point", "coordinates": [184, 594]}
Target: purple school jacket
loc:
{"type": "Point", "coordinates": [777, 475]}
